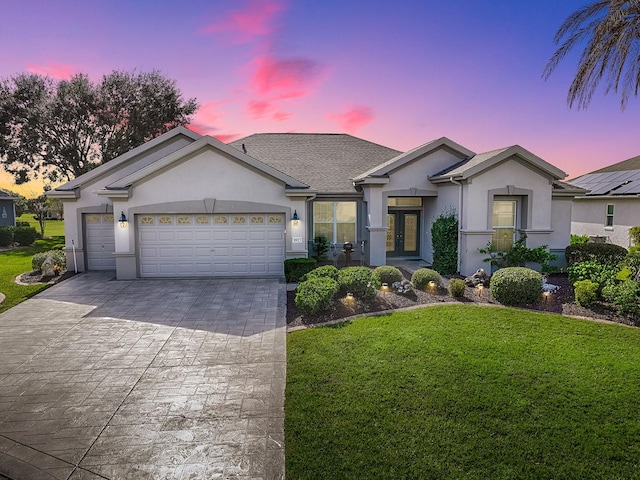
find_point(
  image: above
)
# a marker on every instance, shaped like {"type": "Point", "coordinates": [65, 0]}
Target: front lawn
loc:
{"type": "Point", "coordinates": [462, 391]}
{"type": "Point", "coordinates": [52, 228]}
{"type": "Point", "coordinates": [17, 261]}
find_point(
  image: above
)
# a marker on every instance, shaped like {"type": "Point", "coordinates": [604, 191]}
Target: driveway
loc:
{"type": "Point", "coordinates": [175, 379]}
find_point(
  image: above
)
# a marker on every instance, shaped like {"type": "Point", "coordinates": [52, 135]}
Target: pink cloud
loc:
{"type": "Point", "coordinates": [281, 116]}
{"type": "Point", "coordinates": [53, 70]}
{"type": "Point", "coordinates": [258, 109]}
{"type": "Point", "coordinates": [257, 18]}
{"type": "Point", "coordinates": [206, 118]}
{"type": "Point", "coordinates": [226, 137]}
{"type": "Point", "coordinates": [353, 118]}
{"type": "Point", "coordinates": [285, 77]}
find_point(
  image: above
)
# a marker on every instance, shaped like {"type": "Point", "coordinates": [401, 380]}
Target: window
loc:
{"type": "Point", "coordinates": [336, 221]}
{"type": "Point", "coordinates": [609, 220]}
{"type": "Point", "coordinates": [504, 224]}
{"type": "Point", "coordinates": [404, 202]}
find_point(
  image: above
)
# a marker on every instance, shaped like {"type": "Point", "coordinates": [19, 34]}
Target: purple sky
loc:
{"type": "Point", "coordinates": [396, 73]}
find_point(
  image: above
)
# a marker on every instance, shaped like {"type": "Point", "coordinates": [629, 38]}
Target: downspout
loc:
{"type": "Point", "coordinates": [456, 182]}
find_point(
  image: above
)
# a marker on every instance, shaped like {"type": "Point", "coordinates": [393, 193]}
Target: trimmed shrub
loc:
{"type": "Point", "coordinates": [24, 235]}
{"type": "Point", "coordinates": [444, 239]}
{"type": "Point", "coordinates": [325, 271]}
{"type": "Point", "coordinates": [586, 292]}
{"type": "Point", "coordinates": [634, 235]}
{"type": "Point", "coordinates": [578, 239]}
{"type": "Point", "coordinates": [6, 236]}
{"type": "Point", "coordinates": [623, 296]}
{"type": "Point", "coordinates": [59, 258]}
{"type": "Point", "coordinates": [590, 270]}
{"type": "Point", "coordinates": [294, 268]}
{"type": "Point", "coordinates": [606, 253]}
{"type": "Point", "coordinates": [456, 287]}
{"type": "Point", "coordinates": [315, 295]}
{"type": "Point", "coordinates": [516, 286]}
{"type": "Point", "coordinates": [356, 280]}
{"type": "Point", "coordinates": [386, 274]}
{"type": "Point", "coordinates": [423, 276]}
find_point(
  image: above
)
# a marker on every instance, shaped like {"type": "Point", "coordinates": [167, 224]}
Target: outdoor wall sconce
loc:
{"type": "Point", "coordinates": [295, 220]}
{"type": "Point", "coordinates": [122, 220]}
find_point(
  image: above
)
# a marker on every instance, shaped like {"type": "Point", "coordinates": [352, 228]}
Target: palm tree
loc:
{"type": "Point", "coordinates": [611, 31]}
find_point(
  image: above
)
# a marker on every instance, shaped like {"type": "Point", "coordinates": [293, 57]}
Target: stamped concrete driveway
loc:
{"type": "Point", "coordinates": [175, 379]}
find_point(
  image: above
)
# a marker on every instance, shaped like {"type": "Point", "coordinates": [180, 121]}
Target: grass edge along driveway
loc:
{"type": "Point", "coordinates": [17, 261]}
{"type": "Point", "coordinates": [463, 392]}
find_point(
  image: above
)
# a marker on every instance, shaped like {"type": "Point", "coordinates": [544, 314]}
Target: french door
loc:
{"type": "Point", "coordinates": [403, 227]}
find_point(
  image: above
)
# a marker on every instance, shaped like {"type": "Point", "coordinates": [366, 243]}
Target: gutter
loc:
{"type": "Point", "coordinates": [456, 182]}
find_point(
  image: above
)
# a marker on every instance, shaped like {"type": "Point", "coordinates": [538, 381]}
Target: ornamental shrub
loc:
{"type": "Point", "coordinates": [634, 235]}
{"type": "Point", "coordinates": [294, 268]}
{"type": "Point", "coordinates": [586, 292]}
{"type": "Point", "coordinates": [6, 236]}
{"type": "Point", "coordinates": [590, 270]}
{"type": "Point", "coordinates": [444, 239]}
{"type": "Point", "coordinates": [606, 253]}
{"type": "Point", "coordinates": [423, 276]}
{"type": "Point", "coordinates": [623, 296]}
{"type": "Point", "coordinates": [356, 280]}
{"type": "Point", "coordinates": [578, 239]}
{"type": "Point", "coordinates": [59, 258]}
{"type": "Point", "coordinates": [315, 295]}
{"type": "Point", "coordinates": [516, 285]}
{"type": "Point", "coordinates": [456, 287]}
{"type": "Point", "coordinates": [325, 271]}
{"type": "Point", "coordinates": [386, 274]}
{"type": "Point", "coordinates": [24, 235]}
{"type": "Point", "coordinates": [632, 262]}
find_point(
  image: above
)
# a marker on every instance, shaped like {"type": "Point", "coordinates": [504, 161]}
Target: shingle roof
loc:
{"type": "Point", "coordinates": [461, 167]}
{"type": "Point", "coordinates": [630, 164]}
{"type": "Point", "coordinates": [6, 195]}
{"type": "Point", "coordinates": [325, 161]}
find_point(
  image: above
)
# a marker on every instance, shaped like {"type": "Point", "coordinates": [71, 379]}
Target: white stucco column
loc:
{"type": "Point", "coordinates": [376, 223]}
{"type": "Point", "coordinates": [125, 243]}
{"type": "Point", "coordinates": [297, 230]}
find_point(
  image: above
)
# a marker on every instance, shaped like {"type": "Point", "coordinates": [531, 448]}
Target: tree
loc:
{"type": "Point", "coordinates": [39, 207]}
{"type": "Point", "coordinates": [611, 31]}
{"type": "Point", "coordinates": [61, 129]}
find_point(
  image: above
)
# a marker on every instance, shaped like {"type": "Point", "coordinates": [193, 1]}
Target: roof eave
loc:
{"type": "Point", "coordinates": [64, 194]}
{"type": "Point", "coordinates": [115, 192]}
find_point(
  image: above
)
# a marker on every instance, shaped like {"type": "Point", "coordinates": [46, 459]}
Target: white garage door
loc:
{"type": "Point", "coordinates": [211, 245]}
{"type": "Point", "coordinates": [100, 241]}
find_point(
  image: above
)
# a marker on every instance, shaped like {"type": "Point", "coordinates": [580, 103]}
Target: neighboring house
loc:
{"type": "Point", "coordinates": [7, 209]}
{"type": "Point", "coordinates": [197, 207]}
{"type": "Point", "coordinates": [612, 204]}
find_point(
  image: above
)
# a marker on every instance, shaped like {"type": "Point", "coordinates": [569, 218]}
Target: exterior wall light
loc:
{"type": "Point", "coordinates": [295, 220]}
{"type": "Point", "coordinates": [122, 220]}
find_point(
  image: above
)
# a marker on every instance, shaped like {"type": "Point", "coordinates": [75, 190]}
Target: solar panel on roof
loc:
{"type": "Point", "coordinates": [604, 188]}
{"type": "Point", "coordinates": [628, 189]}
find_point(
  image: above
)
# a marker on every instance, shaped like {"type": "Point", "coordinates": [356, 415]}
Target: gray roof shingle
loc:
{"type": "Point", "coordinates": [325, 161]}
{"type": "Point", "coordinates": [460, 167]}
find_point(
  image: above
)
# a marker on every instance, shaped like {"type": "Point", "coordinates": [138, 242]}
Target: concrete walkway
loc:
{"type": "Point", "coordinates": [144, 379]}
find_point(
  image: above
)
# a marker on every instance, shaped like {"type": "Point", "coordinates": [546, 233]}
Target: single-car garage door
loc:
{"type": "Point", "coordinates": [211, 245]}
{"type": "Point", "coordinates": [100, 241]}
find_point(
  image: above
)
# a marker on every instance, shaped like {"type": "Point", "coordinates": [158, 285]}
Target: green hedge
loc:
{"type": "Point", "coordinates": [6, 236]}
{"type": "Point", "coordinates": [516, 286]}
{"type": "Point", "coordinates": [24, 235]}
{"type": "Point", "coordinates": [356, 280]}
{"type": "Point", "coordinates": [295, 268]}
{"type": "Point", "coordinates": [423, 276]}
{"type": "Point", "coordinates": [605, 253]}
{"type": "Point", "coordinates": [386, 274]}
{"type": "Point", "coordinates": [315, 295]}
{"type": "Point", "coordinates": [444, 240]}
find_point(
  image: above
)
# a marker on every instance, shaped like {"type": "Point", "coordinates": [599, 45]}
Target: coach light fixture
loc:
{"type": "Point", "coordinates": [295, 220]}
{"type": "Point", "coordinates": [122, 220]}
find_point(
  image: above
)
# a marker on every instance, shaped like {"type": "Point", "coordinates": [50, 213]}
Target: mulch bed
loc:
{"type": "Point", "coordinates": [559, 302]}
{"type": "Point", "coordinates": [36, 276]}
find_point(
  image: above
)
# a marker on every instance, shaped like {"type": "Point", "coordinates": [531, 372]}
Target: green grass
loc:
{"type": "Point", "coordinates": [17, 261]}
{"type": "Point", "coordinates": [52, 228]}
{"type": "Point", "coordinates": [464, 392]}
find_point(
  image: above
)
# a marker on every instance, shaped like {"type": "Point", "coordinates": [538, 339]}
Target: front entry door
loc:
{"type": "Point", "coordinates": [402, 233]}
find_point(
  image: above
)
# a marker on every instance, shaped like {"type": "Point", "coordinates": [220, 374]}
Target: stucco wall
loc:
{"type": "Point", "coordinates": [588, 217]}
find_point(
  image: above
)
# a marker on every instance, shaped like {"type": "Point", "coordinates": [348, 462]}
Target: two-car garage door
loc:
{"type": "Point", "coordinates": [173, 245]}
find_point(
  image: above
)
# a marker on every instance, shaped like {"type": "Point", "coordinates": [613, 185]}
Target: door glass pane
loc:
{"type": "Point", "coordinates": [391, 233]}
{"type": "Point", "coordinates": [410, 232]}
{"type": "Point", "coordinates": [504, 213]}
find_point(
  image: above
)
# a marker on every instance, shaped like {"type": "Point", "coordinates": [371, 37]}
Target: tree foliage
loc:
{"type": "Point", "coordinates": [610, 31]}
{"type": "Point", "coordinates": [58, 130]}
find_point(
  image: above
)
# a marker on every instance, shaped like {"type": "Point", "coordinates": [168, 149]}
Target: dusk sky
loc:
{"type": "Point", "coordinates": [395, 73]}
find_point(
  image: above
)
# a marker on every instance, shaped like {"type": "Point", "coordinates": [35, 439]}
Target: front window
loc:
{"type": "Point", "coordinates": [504, 225]}
{"type": "Point", "coordinates": [609, 220]}
{"type": "Point", "coordinates": [336, 221]}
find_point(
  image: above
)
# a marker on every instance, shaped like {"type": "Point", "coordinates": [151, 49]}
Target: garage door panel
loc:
{"type": "Point", "coordinates": [211, 245]}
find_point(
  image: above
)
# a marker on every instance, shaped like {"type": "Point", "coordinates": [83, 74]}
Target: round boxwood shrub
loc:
{"type": "Point", "coordinates": [356, 280]}
{"type": "Point", "coordinates": [59, 258]}
{"type": "Point", "coordinates": [386, 274]}
{"type": "Point", "coordinates": [516, 285]}
{"type": "Point", "coordinates": [586, 292]}
{"type": "Point", "coordinates": [315, 295]}
{"type": "Point", "coordinates": [606, 253]}
{"type": "Point", "coordinates": [24, 235]}
{"type": "Point", "coordinates": [423, 276]}
{"type": "Point", "coordinates": [456, 287]}
{"type": "Point", "coordinates": [325, 271]}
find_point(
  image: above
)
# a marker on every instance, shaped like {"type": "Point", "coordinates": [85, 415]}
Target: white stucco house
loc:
{"type": "Point", "coordinates": [611, 206]}
{"type": "Point", "coordinates": [189, 205]}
